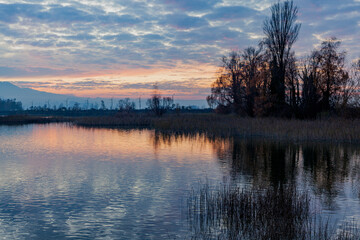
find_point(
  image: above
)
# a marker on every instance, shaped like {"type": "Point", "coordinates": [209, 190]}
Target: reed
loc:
{"type": "Point", "coordinates": [275, 213]}
{"type": "Point", "coordinates": [328, 130]}
{"type": "Point", "coordinates": [214, 125]}
{"type": "Point", "coordinates": [28, 119]}
{"type": "Point", "coordinates": [333, 130]}
{"type": "Point", "coordinates": [119, 120]}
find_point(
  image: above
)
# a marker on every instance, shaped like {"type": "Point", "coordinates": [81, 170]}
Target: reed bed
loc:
{"type": "Point", "coordinates": [275, 213]}
{"type": "Point", "coordinates": [329, 130]}
{"type": "Point", "coordinates": [120, 120]}
{"type": "Point", "coordinates": [214, 125]}
{"type": "Point", "coordinates": [28, 119]}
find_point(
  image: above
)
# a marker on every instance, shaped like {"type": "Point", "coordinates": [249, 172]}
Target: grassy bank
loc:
{"type": "Point", "coordinates": [329, 130]}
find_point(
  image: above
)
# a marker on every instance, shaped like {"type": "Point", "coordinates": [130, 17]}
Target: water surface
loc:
{"type": "Point", "coordinates": [59, 181]}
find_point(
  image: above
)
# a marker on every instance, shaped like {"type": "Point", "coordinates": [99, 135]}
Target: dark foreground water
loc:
{"type": "Point", "coordinates": [59, 181]}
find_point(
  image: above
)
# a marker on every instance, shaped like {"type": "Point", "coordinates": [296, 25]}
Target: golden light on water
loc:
{"type": "Point", "coordinates": [107, 144]}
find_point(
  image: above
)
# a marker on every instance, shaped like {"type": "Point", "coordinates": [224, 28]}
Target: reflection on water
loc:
{"type": "Point", "coordinates": [329, 170]}
{"type": "Point", "coordinates": [59, 181]}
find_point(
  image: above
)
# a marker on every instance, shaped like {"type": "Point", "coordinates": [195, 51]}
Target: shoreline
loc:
{"type": "Point", "coordinates": [336, 130]}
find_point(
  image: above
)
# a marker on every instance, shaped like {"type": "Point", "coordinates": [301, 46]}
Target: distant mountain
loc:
{"type": "Point", "coordinates": [30, 97]}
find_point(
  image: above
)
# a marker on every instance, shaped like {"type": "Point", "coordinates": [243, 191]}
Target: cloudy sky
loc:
{"type": "Point", "coordinates": [120, 48]}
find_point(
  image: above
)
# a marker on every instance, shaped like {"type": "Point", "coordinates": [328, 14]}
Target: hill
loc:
{"type": "Point", "coordinates": [30, 97]}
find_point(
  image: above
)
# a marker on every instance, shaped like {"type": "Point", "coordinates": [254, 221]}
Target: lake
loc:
{"type": "Point", "coordinates": [58, 181]}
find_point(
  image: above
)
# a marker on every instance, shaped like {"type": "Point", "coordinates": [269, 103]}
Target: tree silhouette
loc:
{"type": "Point", "coordinates": [292, 83]}
{"type": "Point", "coordinates": [125, 105]}
{"type": "Point", "coordinates": [310, 92]}
{"type": "Point", "coordinates": [227, 90]}
{"type": "Point", "coordinates": [281, 31]}
{"type": "Point", "coordinates": [269, 81]}
{"type": "Point", "coordinates": [159, 105]}
{"type": "Point", "coordinates": [252, 73]}
{"type": "Point", "coordinates": [237, 86]}
{"type": "Point", "coordinates": [332, 72]}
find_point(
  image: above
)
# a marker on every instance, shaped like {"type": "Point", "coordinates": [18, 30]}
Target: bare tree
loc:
{"type": "Point", "coordinates": [349, 90]}
{"type": "Point", "coordinates": [159, 105]}
{"type": "Point", "coordinates": [103, 107]}
{"type": "Point", "coordinates": [281, 31]}
{"type": "Point", "coordinates": [252, 73]}
{"type": "Point", "coordinates": [240, 83]}
{"type": "Point", "coordinates": [292, 82]}
{"type": "Point", "coordinates": [228, 90]}
{"type": "Point", "coordinates": [310, 76]}
{"type": "Point", "coordinates": [125, 105]}
{"type": "Point", "coordinates": [332, 72]}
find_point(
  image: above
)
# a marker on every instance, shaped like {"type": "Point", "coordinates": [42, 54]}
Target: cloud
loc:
{"type": "Point", "coordinates": [38, 43]}
{"type": "Point", "coordinates": [182, 86]}
{"type": "Point", "coordinates": [183, 21]}
{"type": "Point", "coordinates": [124, 19]}
{"type": "Point", "coordinates": [55, 13]}
{"type": "Point", "coordinates": [94, 83]}
{"type": "Point", "coordinates": [152, 37]}
{"type": "Point", "coordinates": [12, 72]}
{"type": "Point", "coordinates": [81, 37]}
{"type": "Point", "coordinates": [328, 19]}
{"type": "Point", "coordinates": [210, 35]}
{"type": "Point", "coordinates": [191, 5]}
{"type": "Point", "coordinates": [231, 13]}
{"type": "Point", "coordinates": [51, 38]}
{"type": "Point", "coordinates": [12, 12]}
{"type": "Point", "coordinates": [127, 37]}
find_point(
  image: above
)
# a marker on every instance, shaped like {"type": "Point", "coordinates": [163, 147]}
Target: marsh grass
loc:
{"type": "Point", "coordinates": [29, 119]}
{"type": "Point", "coordinates": [274, 213]}
{"type": "Point", "coordinates": [119, 120]}
{"type": "Point", "coordinates": [329, 130]}
{"type": "Point", "coordinates": [214, 125]}
{"type": "Point", "coordinates": [334, 129]}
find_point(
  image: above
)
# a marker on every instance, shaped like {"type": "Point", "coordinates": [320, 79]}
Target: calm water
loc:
{"type": "Point", "coordinates": [58, 181]}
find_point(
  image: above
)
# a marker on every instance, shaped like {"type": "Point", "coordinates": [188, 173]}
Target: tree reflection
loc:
{"type": "Point", "coordinates": [263, 162]}
{"type": "Point", "coordinates": [326, 168]}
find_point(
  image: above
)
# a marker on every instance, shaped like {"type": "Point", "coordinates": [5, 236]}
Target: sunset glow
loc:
{"type": "Point", "coordinates": [113, 49]}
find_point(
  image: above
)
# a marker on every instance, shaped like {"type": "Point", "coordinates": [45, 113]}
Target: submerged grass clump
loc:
{"type": "Point", "coordinates": [275, 213]}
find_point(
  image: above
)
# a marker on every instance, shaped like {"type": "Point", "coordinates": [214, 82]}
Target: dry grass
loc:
{"type": "Point", "coordinates": [334, 130]}
{"type": "Point", "coordinates": [125, 120]}
{"type": "Point", "coordinates": [27, 119]}
{"type": "Point", "coordinates": [329, 130]}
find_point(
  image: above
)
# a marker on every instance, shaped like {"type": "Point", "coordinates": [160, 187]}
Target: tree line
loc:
{"type": "Point", "coordinates": [157, 104]}
{"type": "Point", "coordinates": [270, 81]}
{"type": "Point", "coordinates": [10, 105]}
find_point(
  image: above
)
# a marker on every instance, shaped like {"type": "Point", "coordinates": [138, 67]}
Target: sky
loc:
{"type": "Point", "coordinates": [121, 48]}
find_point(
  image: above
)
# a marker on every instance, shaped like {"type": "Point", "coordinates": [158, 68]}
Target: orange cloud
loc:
{"type": "Point", "coordinates": [185, 81]}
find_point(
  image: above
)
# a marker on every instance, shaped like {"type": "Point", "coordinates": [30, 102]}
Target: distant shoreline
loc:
{"type": "Point", "coordinates": [336, 130]}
